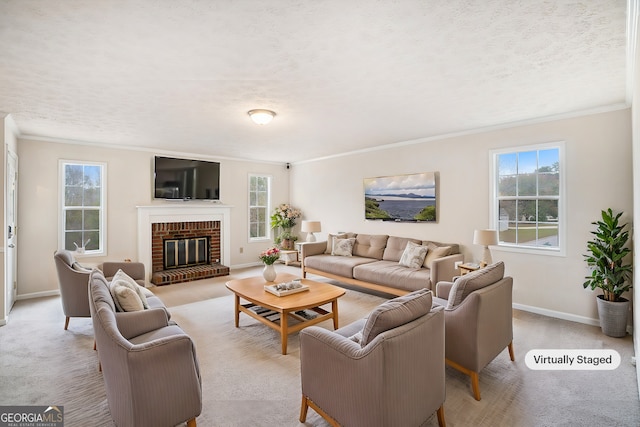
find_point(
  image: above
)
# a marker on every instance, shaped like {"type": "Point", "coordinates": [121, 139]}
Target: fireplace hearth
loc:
{"type": "Point", "coordinates": [185, 251]}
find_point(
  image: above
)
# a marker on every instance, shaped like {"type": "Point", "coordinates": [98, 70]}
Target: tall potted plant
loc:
{"type": "Point", "coordinates": [610, 271]}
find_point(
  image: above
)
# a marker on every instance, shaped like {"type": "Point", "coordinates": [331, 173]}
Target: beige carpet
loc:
{"type": "Point", "coordinates": [247, 382]}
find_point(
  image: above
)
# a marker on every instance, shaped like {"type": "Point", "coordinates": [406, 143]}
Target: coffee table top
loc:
{"type": "Point", "coordinates": [252, 289]}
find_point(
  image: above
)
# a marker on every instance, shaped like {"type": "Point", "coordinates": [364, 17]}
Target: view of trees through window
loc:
{"type": "Point", "coordinates": [82, 206]}
{"type": "Point", "coordinates": [528, 197]}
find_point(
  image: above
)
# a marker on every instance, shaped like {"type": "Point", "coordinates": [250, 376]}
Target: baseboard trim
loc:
{"type": "Point", "coordinates": [38, 295]}
{"type": "Point", "coordinates": [557, 314]}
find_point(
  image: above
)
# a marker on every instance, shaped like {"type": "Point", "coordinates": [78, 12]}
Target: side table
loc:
{"type": "Point", "coordinates": [468, 268]}
{"type": "Point", "coordinates": [289, 256]}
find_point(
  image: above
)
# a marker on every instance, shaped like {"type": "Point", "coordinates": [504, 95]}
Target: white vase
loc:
{"type": "Point", "coordinates": [269, 273]}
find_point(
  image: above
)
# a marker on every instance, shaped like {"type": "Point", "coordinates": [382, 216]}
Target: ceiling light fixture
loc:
{"type": "Point", "coordinates": [261, 117]}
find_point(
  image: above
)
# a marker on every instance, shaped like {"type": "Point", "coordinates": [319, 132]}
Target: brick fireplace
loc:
{"type": "Point", "coordinates": [181, 224]}
{"type": "Point", "coordinates": [185, 251]}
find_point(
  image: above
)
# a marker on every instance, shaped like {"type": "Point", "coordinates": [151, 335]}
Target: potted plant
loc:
{"type": "Point", "coordinates": [284, 219]}
{"type": "Point", "coordinates": [610, 271]}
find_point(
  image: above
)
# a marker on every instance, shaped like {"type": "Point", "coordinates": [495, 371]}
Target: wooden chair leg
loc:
{"type": "Point", "coordinates": [511, 355]}
{"type": "Point", "coordinates": [94, 345]}
{"type": "Point", "coordinates": [441, 421]}
{"type": "Point", "coordinates": [303, 409]}
{"type": "Point", "coordinates": [66, 323]}
{"type": "Point", "coordinates": [327, 417]}
{"type": "Point", "coordinates": [475, 384]}
{"type": "Point", "coordinates": [191, 422]}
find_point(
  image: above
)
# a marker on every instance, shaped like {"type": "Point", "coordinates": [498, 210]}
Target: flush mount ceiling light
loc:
{"type": "Point", "coordinates": [261, 117]}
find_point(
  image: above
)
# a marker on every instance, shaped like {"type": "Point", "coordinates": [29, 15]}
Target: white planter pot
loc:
{"type": "Point", "coordinates": [613, 316]}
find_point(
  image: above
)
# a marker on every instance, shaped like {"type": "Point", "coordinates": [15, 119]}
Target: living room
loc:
{"type": "Point", "coordinates": [601, 157]}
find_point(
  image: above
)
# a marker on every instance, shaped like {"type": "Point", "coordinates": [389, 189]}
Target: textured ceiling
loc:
{"type": "Point", "coordinates": [342, 75]}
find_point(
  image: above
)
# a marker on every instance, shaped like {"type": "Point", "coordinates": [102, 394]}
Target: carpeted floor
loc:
{"type": "Point", "coordinates": [247, 382]}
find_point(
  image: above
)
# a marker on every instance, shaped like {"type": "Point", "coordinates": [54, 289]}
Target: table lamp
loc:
{"type": "Point", "coordinates": [310, 227]}
{"type": "Point", "coordinates": [485, 238]}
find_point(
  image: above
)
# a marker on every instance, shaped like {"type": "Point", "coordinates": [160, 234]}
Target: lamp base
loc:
{"type": "Point", "coordinates": [311, 237]}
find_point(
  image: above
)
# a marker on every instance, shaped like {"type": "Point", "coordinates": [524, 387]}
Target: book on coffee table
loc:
{"type": "Point", "coordinates": [282, 289]}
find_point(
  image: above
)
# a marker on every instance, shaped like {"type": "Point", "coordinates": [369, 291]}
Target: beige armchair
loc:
{"type": "Point", "coordinates": [478, 320]}
{"type": "Point", "coordinates": [385, 370]}
{"type": "Point", "coordinates": [149, 364]}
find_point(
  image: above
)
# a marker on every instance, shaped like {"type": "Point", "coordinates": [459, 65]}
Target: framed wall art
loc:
{"type": "Point", "coordinates": [401, 198]}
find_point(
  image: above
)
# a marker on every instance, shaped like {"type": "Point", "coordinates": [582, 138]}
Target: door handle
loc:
{"type": "Point", "coordinates": [11, 245]}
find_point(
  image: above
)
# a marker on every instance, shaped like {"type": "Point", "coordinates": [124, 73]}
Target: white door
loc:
{"type": "Point", "coordinates": [12, 249]}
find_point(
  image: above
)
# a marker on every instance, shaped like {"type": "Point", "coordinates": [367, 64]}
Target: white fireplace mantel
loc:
{"type": "Point", "coordinates": [186, 212]}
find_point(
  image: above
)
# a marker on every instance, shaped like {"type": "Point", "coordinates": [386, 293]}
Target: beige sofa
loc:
{"type": "Point", "coordinates": [374, 262]}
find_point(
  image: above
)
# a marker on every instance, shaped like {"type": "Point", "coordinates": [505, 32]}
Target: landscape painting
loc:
{"type": "Point", "coordinates": [401, 198]}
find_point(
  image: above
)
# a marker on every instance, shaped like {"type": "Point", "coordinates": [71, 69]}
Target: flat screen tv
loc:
{"type": "Point", "coordinates": [186, 179]}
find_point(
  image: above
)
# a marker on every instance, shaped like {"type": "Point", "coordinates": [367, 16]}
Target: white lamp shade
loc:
{"type": "Point", "coordinates": [485, 237]}
{"type": "Point", "coordinates": [261, 117]}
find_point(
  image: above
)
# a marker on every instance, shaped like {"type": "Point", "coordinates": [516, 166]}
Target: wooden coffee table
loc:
{"type": "Point", "coordinates": [252, 290]}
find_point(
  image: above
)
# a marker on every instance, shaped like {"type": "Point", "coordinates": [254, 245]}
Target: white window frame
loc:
{"type": "Point", "coordinates": [267, 208]}
{"type": "Point", "coordinates": [102, 250]}
{"type": "Point", "coordinates": [561, 250]}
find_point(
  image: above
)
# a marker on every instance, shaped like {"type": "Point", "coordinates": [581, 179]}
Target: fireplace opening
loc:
{"type": "Point", "coordinates": [186, 252]}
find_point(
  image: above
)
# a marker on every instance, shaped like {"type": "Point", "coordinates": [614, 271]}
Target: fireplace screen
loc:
{"type": "Point", "coordinates": [186, 252]}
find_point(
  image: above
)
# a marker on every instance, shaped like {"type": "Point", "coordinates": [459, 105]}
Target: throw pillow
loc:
{"type": "Point", "coordinates": [126, 297]}
{"type": "Point", "coordinates": [121, 275]}
{"type": "Point", "coordinates": [343, 247]}
{"type": "Point", "coordinates": [470, 282]}
{"type": "Point", "coordinates": [330, 239]}
{"type": "Point", "coordinates": [396, 312]}
{"type": "Point", "coordinates": [434, 253]}
{"type": "Point", "coordinates": [413, 255]}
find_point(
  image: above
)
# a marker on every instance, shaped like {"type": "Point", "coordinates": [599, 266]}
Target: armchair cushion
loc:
{"type": "Point", "coordinates": [131, 283]}
{"type": "Point", "coordinates": [396, 312]}
{"type": "Point", "coordinates": [478, 279]}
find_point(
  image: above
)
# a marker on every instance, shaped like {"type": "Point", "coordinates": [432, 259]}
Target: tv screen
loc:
{"type": "Point", "coordinates": [186, 179]}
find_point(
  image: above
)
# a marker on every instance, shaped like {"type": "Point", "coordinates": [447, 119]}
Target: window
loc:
{"type": "Point", "coordinates": [83, 202]}
{"type": "Point", "coordinates": [527, 205]}
{"type": "Point", "coordinates": [259, 202]}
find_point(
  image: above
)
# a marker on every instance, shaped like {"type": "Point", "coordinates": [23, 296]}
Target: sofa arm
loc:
{"type": "Point", "coordinates": [134, 323]}
{"type": "Point", "coordinates": [443, 289]}
{"type": "Point", "coordinates": [444, 269]}
{"type": "Point", "coordinates": [312, 248]}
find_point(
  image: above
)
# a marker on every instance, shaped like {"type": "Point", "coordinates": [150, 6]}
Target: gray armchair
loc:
{"type": "Point", "coordinates": [385, 370]}
{"type": "Point", "coordinates": [478, 320]}
{"type": "Point", "coordinates": [73, 281]}
{"type": "Point", "coordinates": [149, 364]}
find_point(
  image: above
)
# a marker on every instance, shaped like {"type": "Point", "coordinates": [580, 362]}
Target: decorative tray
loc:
{"type": "Point", "coordinates": [286, 288]}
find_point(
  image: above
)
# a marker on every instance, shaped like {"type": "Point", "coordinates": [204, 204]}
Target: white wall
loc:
{"type": "Point", "coordinates": [599, 175]}
{"type": "Point", "coordinates": [128, 186]}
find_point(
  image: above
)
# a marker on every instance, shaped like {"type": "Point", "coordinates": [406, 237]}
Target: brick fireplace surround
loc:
{"type": "Point", "coordinates": [153, 216]}
{"type": "Point", "coordinates": [182, 230]}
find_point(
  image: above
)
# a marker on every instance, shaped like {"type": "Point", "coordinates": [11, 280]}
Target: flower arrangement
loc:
{"type": "Point", "coordinates": [285, 216]}
{"type": "Point", "coordinates": [270, 256]}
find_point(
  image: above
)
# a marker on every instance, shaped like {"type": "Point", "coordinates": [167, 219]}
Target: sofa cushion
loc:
{"type": "Point", "coordinates": [396, 312]}
{"type": "Point", "coordinates": [391, 273]}
{"type": "Point", "coordinates": [473, 281]}
{"type": "Point", "coordinates": [396, 246]}
{"type": "Point", "coordinates": [413, 255]}
{"type": "Point", "coordinates": [436, 252]}
{"type": "Point", "coordinates": [131, 282]}
{"type": "Point", "coordinates": [370, 245]}
{"type": "Point", "coordinates": [343, 247]}
{"type": "Point", "coordinates": [338, 265]}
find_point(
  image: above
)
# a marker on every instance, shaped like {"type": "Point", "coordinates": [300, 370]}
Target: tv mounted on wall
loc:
{"type": "Point", "coordinates": [186, 179]}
